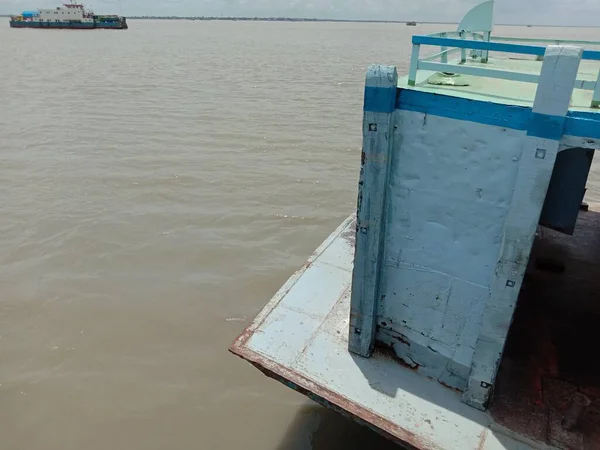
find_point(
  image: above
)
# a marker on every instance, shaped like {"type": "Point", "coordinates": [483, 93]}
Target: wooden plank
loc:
{"type": "Point", "coordinates": [379, 105]}
{"type": "Point", "coordinates": [550, 108]}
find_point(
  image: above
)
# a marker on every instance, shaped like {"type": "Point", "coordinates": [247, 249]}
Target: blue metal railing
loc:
{"type": "Point", "coordinates": [451, 42]}
{"type": "Point", "coordinates": [494, 46]}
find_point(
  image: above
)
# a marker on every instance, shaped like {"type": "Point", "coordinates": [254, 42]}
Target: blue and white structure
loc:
{"type": "Point", "coordinates": [473, 173]}
{"type": "Point", "coordinates": [70, 15]}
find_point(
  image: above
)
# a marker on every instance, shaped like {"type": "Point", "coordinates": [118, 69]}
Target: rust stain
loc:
{"type": "Point", "coordinates": [449, 387]}
{"type": "Point", "coordinates": [242, 338]}
{"type": "Point", "coordinates": [402, 339]}
{"type": "Point", "coordinates": [350, 234]}
{"type": "Point", "coordinates": [482, 438]}
{"type": "Point", "coordinates": [334, 401]}
{"type": "Point", "coordinates": [390, 353]}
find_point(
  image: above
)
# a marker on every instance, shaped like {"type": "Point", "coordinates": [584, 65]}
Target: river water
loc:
{"type": "Point", "coordinates": [159, 185]}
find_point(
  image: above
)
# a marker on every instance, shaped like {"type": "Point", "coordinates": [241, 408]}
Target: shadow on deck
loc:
{"type": "Point", "coordinates": [552, 356]}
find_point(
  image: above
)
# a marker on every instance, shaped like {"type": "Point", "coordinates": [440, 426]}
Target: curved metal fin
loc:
{"type": "Point", "coordinates": [480, 18]}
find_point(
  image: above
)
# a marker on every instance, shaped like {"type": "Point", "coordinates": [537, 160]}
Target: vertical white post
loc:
{"type": "Point", "coordinates": [463, 51]}
{"type": "Point", "coordinates": [596, 97]}
{"type": "Point", "coordinates": [444, 58]}
{"type": "Point", "coordinates": [485, 54]}
{"type": "Point", "coordinates": [475, 53]}
{"type": "Point", "coordinates": [381, 88]}
{"type": "Point", "coordinates": [414, 65]}
{"type": "Point", "coordinates": [557, 79]}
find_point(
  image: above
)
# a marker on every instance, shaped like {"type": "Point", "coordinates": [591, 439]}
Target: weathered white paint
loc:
{"type": "Point", "coordinates": [64, 14]}
{"type": "Point", "coordinates": [568, 142]}
{"type": "Point", "coordinates": [377, 143]}
{"type": "Point", "coordinates": [485, 53]}
{"type": "Point", "coordinates": [414, 65]}
{"type": "Point", "coordinates": [479, 18]}
{"type": "Point", "coordinates": [553, 96]}
{"type": "Point", "coordinates": [450, 188]}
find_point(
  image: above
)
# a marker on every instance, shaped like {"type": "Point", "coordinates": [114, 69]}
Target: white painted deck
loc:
{"type": "Point", "coordinates": [508, 92]}
{"type": "Point", "coordinates": [301, 338]}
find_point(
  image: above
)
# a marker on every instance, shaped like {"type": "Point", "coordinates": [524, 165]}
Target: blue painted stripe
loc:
{"type": "Point", "coordinates": [480, 45]}
{"type": "Point", "coordinates": [515, 117]}
{"type": "Point", "coordinates": [546, 126]}
{"type": "Point", "coordinates": [583, 115]}
{"type": "Point", "coordinates": [494, 46]}
{"type": "Point", "coordinates": [380, 99]}
{"type": "Point", "coordinates": [579, 124]}
{"type": "Point", "coordinates": [39, 24]}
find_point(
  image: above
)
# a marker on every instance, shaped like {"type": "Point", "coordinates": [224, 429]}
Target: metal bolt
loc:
{"type": "Point", "coordinates": [510, 283]}
{"type": "Point", "coordinates": [540, 153]}
{"type": "Point", "coordinates": [372, 127]}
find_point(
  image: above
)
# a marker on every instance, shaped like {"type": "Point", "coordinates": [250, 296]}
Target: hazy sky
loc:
{"type": "Point", "coordinates": [580, 12]}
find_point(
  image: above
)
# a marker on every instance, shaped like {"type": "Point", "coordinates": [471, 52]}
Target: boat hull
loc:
{"type": "Point", "coordinates": [69, 25]}
{"type": "Point", "coordinates": [111, 25]}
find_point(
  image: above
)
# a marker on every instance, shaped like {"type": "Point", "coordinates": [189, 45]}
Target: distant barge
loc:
{"type": "Point", "coordinates": [69, 16]}
{"type": "Point", "coordinates": [458, 308]}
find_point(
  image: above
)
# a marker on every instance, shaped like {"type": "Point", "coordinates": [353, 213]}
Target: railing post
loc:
{"type": "Point", "coordinates": [463, 51]}
{"type": "Point", "coordinates": [485, 53]}
{"type": "Point", "coordinates": [544, 133]}
{"type": "Point", "coordinates": [475, 53]}
{"type": "Point", "coordinates": [444, 57]}
{"type": "Point", "coordinates": [414, 65]}
{"type": "Point", "coordinates": [596, 97]}
{"type": "Point", "coordinates": [379, 105]}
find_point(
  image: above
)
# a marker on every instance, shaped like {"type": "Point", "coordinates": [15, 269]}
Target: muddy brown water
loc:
{"type": "Point", "coordinates": [158, 186]}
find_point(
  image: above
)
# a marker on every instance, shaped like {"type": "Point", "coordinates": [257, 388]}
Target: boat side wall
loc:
{"type": "Point", "coordinates": [69, 26]}
{"type": "Point", "coordinates": [451, 191]}
{"type": "Point", "coordinates": [52, 25]}
{"type": "Point", "coordinates": [111, 25]}
{"type": "Point", "coordinates": [450, 187]}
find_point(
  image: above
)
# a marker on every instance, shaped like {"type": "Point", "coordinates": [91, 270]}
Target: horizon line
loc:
{"type": "Point", "coordinates": [317, 19]}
